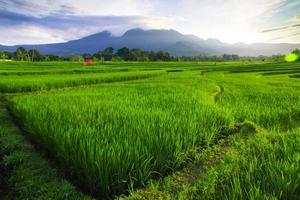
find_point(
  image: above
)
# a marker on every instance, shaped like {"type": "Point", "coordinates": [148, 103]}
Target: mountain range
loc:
{"type": "Point", "coordinates": [167, 40]}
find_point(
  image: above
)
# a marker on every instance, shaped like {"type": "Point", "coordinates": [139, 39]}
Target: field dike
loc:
{"type": "Point", "coordinates": [19, 84]}
{"type": "Point", "coordinates": [25, 174]}
{"type": "Point", "coordinates": [217, 151]}
{"type": "Point", "coordinates": [66, 88]}
{"type": "Point", "coordinates": [200, 163]}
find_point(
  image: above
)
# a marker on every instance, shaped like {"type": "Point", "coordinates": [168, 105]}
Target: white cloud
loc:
{"type": "Point", "coordinates": [66, 20]}
{"type": "Point", "coordinates": [21, 29]}
{"type": "Point", "coordinates": [228, 20]}
{"type": "Point", "coordinates": [30, 35]}
{"type": "Point", "coordinates": [288, 32]}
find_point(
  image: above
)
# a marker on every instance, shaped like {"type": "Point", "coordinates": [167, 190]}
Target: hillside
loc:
{"type": "Point", "coordinates": [167, 40]}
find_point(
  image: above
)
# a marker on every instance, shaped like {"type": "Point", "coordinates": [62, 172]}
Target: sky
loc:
{"type": "Point", "coordinates": [231, 21]}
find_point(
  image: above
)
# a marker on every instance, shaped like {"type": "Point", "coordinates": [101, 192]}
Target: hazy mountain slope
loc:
{"type": "Point", "coordinates": [167, 40]}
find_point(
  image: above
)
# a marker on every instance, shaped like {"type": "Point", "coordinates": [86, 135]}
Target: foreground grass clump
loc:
{"type": "Point", "coordinates": [265, 167]}
{"type": "Point", "coordinates": [24, 173]}
{"type": "Point", "coordinates": [118, 136]}
{"type": "Point", "coordinates": [28, 83]}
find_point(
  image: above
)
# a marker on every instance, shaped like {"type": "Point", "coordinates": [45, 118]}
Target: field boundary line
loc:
{"type": "Point", "coordinates": [198, 168]}
{"type": "Point", "coordinates": [45, 91]}
{"type": "Point", "coordinates": [30, 172]}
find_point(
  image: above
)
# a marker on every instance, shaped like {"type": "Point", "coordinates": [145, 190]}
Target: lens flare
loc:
{"type": "Point", "coordinates": [291, 57]}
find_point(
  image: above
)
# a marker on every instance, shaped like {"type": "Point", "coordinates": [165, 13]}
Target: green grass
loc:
{"type": "Point", "coordinates": [125, 134]}
{"type": "Point", "coordinates": [264, 167]}
{"type": "Point", "coordinates": [24, 173]}
{"type": "Point", "coordinates": [110, 139]}
{"type": "Point", "coordinates": [29, 83]}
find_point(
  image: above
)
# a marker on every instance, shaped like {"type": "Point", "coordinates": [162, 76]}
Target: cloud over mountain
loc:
{"type": "Point", "coordinates": [48, 21]}
{"type": "Point", "coordinates": [166, 40]}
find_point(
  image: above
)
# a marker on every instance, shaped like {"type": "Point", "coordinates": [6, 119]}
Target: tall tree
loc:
{"type": "Point", "coordinates": [34, 55]}
{"type": "Point", "coordinates": [4, 55]}
{"type": "Point", "coordinates": [22, 54]}
{"type": "Point", "coordinates": [74, 58]}
{"type": "Point", "coordinates": [123, 53]}
{"type": "Point", "coordinates": [107, 54]}
{"type": "Point", "coordinates": [297, 52]}
{"type": "Point", "coordinates": [87, 55]}
{"type": "Point", "coordinates": [152, 56]}
{"type": "Point", "coordinates": [138, 55]}
{"type": "Point", "coordinates": [163, 56]}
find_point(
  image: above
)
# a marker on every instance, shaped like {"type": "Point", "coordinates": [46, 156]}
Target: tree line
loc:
{"type": "Point", "coordinates": [32, 55]}
{"type": "Point", "coordinates": [126, 54]}
{"type": "Point", "coordinates": [297, 52]}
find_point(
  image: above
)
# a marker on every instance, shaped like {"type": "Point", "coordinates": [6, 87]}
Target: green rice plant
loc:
{"type": "Point", "coordinates": [266, 167]}
{"type": "Point", "coordinates": [273, 103]}
{"type": "Point", "coordinates": [29, 83]}
{"type": "Point", "coordinates": [113, 136]}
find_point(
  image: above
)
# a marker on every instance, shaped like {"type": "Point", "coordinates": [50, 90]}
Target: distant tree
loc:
{"type": "Point", "coordinates": [47, 58]}
{"type": "Point", "coordinates": [34, 55]}
{"type": "Point", "coordinates": [297, 52]}
{"type": "Point", "coordinates": [123, 53]}
{"type": "Point", "coordinates": [87, 55]}
{"type": "Point", "coordinates": [73, 57]}
{"type": "Point", "coordinates": [262, 58]}
{"type": "Point", "coordinates": [138, 55]}
{"type": "Point", "coordinates": [8, 55]}
{"type": "Point", "coordinates": [22, 54]}
{"type": "Point", "coordinates": [116, 59]}
{"type": "Point", "coordinates": [153, 56]}
{"type": "Point", "coordinates": [163, 56]}
{"type": "Point", "coordinates": [4, 55]}
{"type": "Point", "coordinates": [235, 57]}
{"type": "Point", "coordinates": [135, 54]}
{"type": "Point", "coordinates": [99, 56]}
{"type": "Point", "coordinates": [95, 59]}
{"type": "Point", "coordinates": [107, 54]}
{"type": "Point", "coordinates": [51, 57]}
{"type": "Point", "coordinates": [212, 58]}
{"type": "Point", "coordinates": [81, 59]}
{"type": "Point", "coordinates": [19, 54]}
{"type": "Point", "coordinates": [143, 57]}
{"type": "Point", "coordinates": [226, 57]}
{"type": "Point", "coordinates": [276, 58]}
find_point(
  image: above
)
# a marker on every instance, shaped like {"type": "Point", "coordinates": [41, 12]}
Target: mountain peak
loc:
{"type": "Point", "coordinates": [213, 41]}
{"type": "Point", "coordinates": [133, 32]}
{"type": "Point", "coordinates": [140, 31]}
{"type": "Point", "coordinates": [157, 39]}
{"type": "Point", "coordinates": [100, 34]}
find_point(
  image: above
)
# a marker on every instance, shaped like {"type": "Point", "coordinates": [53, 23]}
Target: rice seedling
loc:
{"type": "Point", "coordinates": [110, 138]}
{"type": "Point", "coordinates": [29, 83]}
{"type": "Point", "coordinates": [118, 135]}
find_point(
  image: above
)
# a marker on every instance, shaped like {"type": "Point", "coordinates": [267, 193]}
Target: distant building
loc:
{"type": "Point", "coordinates": [88, 59]}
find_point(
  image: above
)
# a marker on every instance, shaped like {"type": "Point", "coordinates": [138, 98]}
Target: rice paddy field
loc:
{"type": "Point", "coordinates": [150, 130]}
